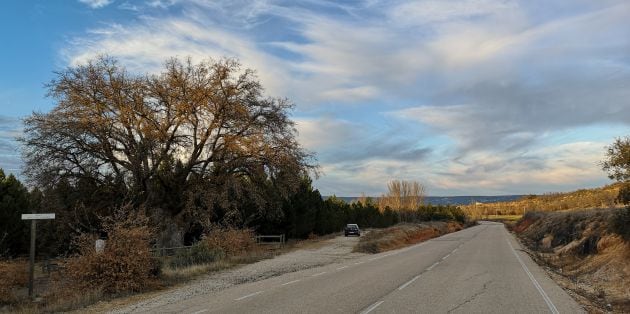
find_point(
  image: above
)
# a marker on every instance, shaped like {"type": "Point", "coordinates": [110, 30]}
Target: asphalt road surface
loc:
{"type": "Point", "coordinates": [477, 270]}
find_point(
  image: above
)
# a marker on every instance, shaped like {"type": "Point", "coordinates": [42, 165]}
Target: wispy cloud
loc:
{"type": "Point", "coordinates": [97, 4]}
{"type": "Point", "coordinates": [10, 129]}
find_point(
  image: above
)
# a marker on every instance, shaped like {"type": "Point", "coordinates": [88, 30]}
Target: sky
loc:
{"type": "Point", "coordinates": [468, 97]}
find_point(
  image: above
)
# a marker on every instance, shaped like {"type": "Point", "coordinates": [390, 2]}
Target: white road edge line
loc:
{"type": "Point", "coordinates": [408, 282]}
{"type": "Point", "coordinates": [318, 274]}
{"type": "Point", "coordinates": [375, 258]}
{"type": "Point", "coordinates": [249, 295]}
{"type": "Point", "coordinates": [550, 304]}
{"type": "Point", "coordinates": [372, 307]}
{"type": "Point", "coordinates": [290, 282]}
{"type": "Point", "coordinates": [342, 267]}
{"type": "Point", "coordinates": [201, 311]}
{"type": "Point", "coordinates": [434, 264]}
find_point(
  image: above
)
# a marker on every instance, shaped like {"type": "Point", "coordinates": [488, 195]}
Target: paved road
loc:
{"type": "Point", "coordinates": [477, 270]}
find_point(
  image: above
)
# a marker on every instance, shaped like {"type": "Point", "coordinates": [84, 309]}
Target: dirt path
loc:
{"type": "Point", "coordinates": [326, 252]}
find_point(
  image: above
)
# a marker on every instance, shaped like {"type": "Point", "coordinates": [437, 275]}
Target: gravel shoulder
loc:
{"type": "Point", "coordinates": [325, 252]}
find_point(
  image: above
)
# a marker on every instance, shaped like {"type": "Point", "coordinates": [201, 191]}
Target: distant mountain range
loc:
{"type": "Point", "coordinates": [453, 200]}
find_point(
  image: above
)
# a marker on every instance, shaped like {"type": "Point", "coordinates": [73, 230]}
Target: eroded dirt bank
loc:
{"type": "Point", "coordinates": [583, 254]}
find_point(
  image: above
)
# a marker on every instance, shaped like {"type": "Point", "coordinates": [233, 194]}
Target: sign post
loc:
{"type": "Point", "coordinates": [31, 267]}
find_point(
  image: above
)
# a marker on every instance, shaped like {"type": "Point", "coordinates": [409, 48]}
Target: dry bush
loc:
{"type": "Point", "coordinates": [402, 235]}
{"type": "Point", "coordinates": [125, 265]}
{"type": "Point", "coordinates": [13, 275]}
{"type": "Point", "coordinates": [230, 240]}
{"type": "Point", "coordinates": [199, 254]}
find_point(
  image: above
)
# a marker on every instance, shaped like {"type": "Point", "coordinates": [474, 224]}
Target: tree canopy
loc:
{"type": "Point", "coordinates": [193, 127]}
{"type": "Point", "coordinates": [617, 161]}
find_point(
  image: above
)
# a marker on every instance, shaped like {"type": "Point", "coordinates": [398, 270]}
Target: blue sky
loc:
{"type": "Point", "coordinates": [469, 97]}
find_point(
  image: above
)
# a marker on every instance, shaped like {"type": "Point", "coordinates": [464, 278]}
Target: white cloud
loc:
{"type": "Point", "coordinates": [146, 46]}
{"type": "Point", "coordinates": [432, 11]}
{"type": "Point", "coordinates": [97, 4]}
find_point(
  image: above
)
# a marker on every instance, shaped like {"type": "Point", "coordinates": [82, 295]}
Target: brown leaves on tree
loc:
{"type": "Point", "coordinates": [191, 123]}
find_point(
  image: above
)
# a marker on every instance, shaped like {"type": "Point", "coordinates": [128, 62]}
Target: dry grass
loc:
{"type": "Point", "coordinates": [402, 235]}
{"type": "Point", "coordinates": [13, 275]}
{"type": "Point", "coordinates": [232, 241]}
{"type": "Point", "coordinates": [603, 197]}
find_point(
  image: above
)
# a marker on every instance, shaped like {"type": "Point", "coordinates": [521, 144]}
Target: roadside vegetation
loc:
{"type": "Point", "coordinates": [404, 234]}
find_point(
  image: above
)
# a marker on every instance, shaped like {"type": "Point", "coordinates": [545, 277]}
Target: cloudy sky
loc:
{"type": "Point", "coordinates": [470, 97]}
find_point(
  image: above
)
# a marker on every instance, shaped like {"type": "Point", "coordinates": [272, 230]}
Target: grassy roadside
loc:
{"type": "Point", "coordinates": [405, 234]}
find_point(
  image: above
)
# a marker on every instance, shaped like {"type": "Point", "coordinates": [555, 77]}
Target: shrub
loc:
{"type": "Point", "coordinates": [13, 275]}
{"type": "Point", "coordinates": [621, 223]}
{"type": "Point", "coordinates": [125, 265]}
{"type": "Point", "coordinates": [200, 253]}
{"type": "Point", "coordinates": [230, 240]}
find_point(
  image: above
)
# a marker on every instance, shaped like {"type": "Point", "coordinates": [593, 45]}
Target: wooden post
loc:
{"type": "Point", "coordinates": [31, 266]}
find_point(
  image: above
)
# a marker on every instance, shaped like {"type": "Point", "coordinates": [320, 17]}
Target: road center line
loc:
{"type": "Point", "coordinates": [434, 264]}
{"type": "Point", "coordinates": [249, 295]}
{"type": "Point", "coordinates": [199, 312]}
{"type": "Point", "coordinates": [319, 274]}
{"type": "Point", "coordinates": [408, 282]}
{"type": "Point", "coordinates": [290, 282]}
{"type": "Point", "coordinates": [550, 304]}
{"type": "Point", "coordinates": [453, 251]}
{"type": "Point", "coordinates": [447, 255]}
{"type": "Point", "coordinates": [372, 307]}
{"type": "Point", "coordinates": [342, 267]}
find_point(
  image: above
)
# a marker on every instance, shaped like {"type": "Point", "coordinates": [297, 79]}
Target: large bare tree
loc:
{"type": "Point", "coordinates": [191, 123]}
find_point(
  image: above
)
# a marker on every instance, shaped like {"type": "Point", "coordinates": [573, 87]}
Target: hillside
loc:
{"type": "Point", "coordinates": [604, 197]}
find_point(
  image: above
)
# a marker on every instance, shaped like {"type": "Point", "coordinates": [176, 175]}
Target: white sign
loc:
{"type": "Point", "coordinates": [37, 216]}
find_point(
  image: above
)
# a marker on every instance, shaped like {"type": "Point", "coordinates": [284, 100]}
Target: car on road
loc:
{"type": "Point", "coordinates": [352, 229]}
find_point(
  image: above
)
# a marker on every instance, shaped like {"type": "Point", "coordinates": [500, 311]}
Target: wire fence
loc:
{"type": "Point", "coordinates": [277, 240]}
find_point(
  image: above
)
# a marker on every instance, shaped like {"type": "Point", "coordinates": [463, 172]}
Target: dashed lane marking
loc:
{"type": "Point", "coordinates": [249, 295]}
{"type": "Point", "coordinates": [447, 255]}
{"type": "Point", "coordinates": [372, 307]}
{"type": "Point", "coordinates": [342, 267]}
{"type": "Point", "coordinates": [318, 274]}
{"type": "Point", "coordinates": [408, 282]}
{"type": "Point", "coordinates": [201, 311]}
{"type": "Point", "coordinates": [290, 282]}
{"type": "Point", "coordinates": [434, 264]}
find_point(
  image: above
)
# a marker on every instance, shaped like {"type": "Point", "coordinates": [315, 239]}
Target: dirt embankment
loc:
{"type": "Point", "coordinates": [404, 234]}
{"type": "Point", "coordinates": [584, 253]}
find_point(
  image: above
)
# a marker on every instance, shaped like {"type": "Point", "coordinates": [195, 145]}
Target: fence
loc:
{"type": "Point", "coordinates": [169, 251]}
{"type": "Point", "coordinates": [278, 240]}
{"type": "Point", "coordinates": [271, 239]}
